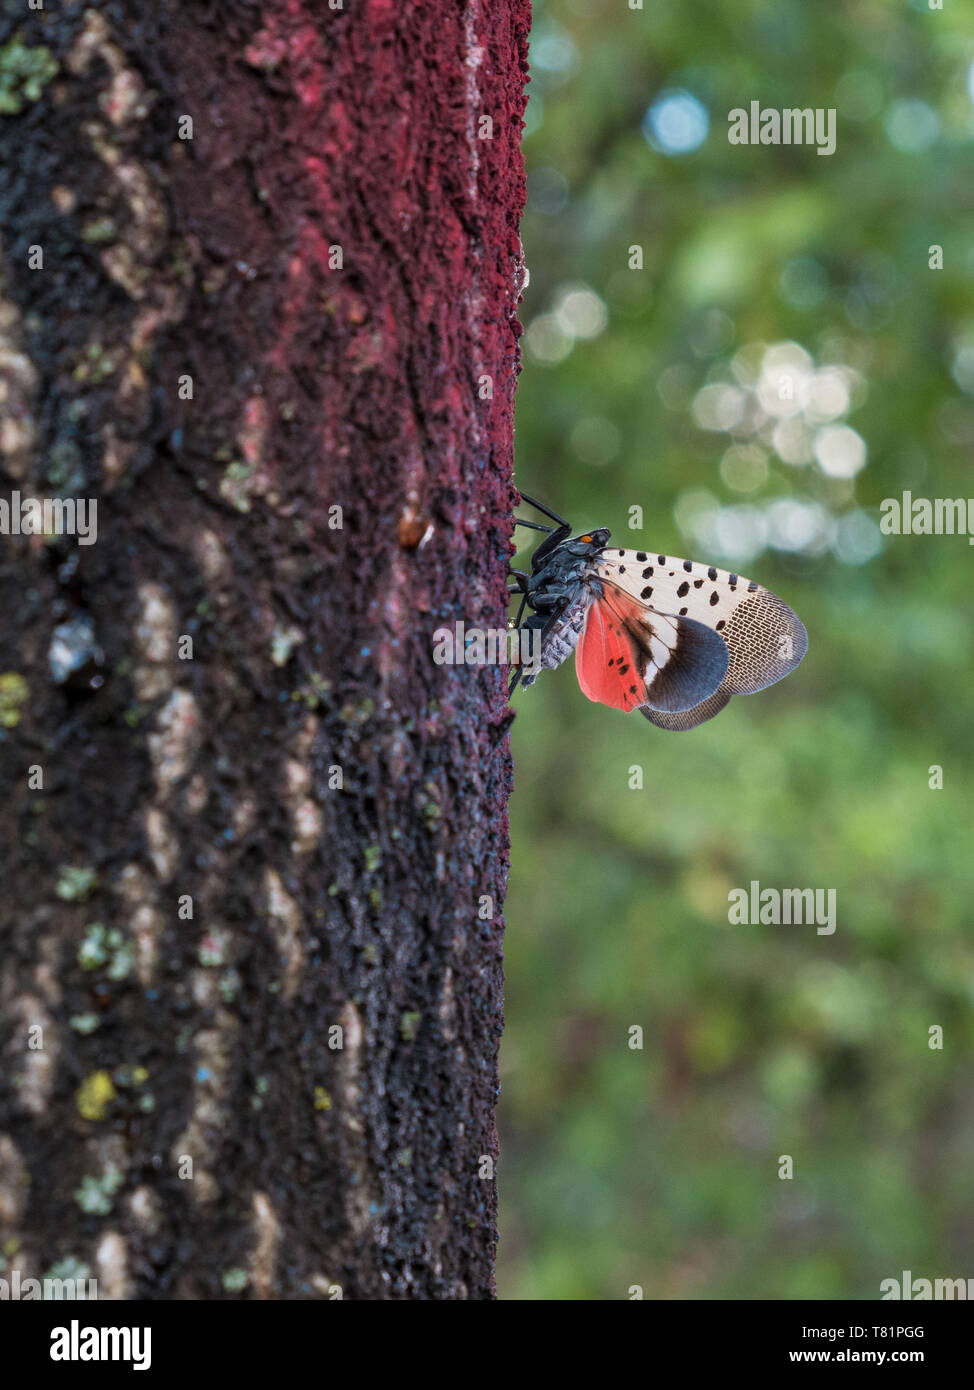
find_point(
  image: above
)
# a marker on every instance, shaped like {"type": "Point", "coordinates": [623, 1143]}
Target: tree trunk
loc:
{"type": "Point", "coordinates": [260, 273]}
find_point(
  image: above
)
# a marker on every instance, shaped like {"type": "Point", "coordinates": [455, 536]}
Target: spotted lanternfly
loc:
{"type": "Point", "coordinates": [671, 638]}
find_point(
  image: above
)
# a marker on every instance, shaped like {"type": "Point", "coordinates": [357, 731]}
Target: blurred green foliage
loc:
{"type": "Point", "coordinates": [659, 1167]}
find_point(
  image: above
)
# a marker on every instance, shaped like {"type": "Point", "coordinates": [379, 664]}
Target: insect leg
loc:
{"type": "Point", "coordinates": [545, 510]}
{"type": "Point", "coordinates": [522, 589]}
{"type": "Point", "coordinates": [542, 623]}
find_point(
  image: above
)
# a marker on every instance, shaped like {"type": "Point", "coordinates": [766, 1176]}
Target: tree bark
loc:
{"type": "Point", "coordinates": [255, 840]}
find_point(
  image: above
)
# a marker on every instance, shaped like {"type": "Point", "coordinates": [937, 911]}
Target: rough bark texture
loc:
{"type": "Point", "coordinates": [135, 1035]}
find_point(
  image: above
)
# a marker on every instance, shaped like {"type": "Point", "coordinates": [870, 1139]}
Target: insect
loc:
{"type": "Point", "coordinates": [671, 638]}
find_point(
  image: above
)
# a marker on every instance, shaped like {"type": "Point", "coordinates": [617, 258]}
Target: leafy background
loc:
{"type": "Point", "coordinates": [661, 388]}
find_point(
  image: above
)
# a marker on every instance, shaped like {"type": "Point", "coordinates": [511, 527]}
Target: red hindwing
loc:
{"type": "Point", "coordinates": [608, 661]}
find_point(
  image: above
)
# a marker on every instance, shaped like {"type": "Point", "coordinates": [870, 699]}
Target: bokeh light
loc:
{"type": "Point", "coordinates": [676, 123]}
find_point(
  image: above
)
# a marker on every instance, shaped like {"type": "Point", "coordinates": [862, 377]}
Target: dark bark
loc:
{"type": "Point", "coordinates": [210, 777]}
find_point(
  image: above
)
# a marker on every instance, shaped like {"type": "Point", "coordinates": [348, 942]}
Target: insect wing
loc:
{"type": "Point", "coordinates": [765, 639]}
{"type": "Point", "coordinates": [690, 718]}
{"type": "Point", "coordinates": [630, 656]}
